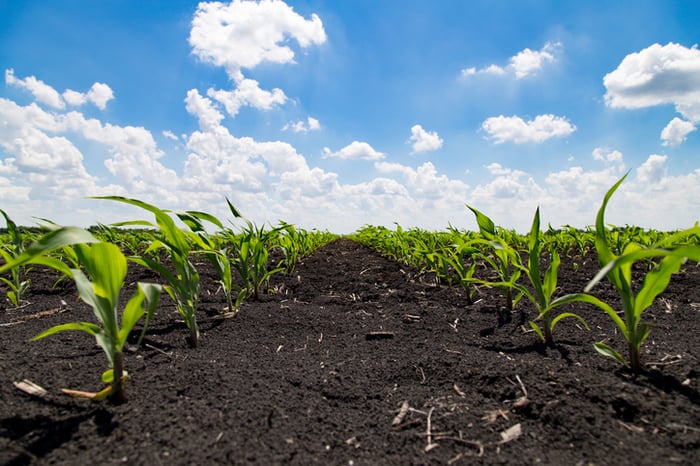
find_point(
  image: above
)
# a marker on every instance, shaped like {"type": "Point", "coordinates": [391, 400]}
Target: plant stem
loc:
{"type": "Point", "coordinates": [193, 339]}
{"type": "Point", "coordinates": [118, 395]}
{"type": "Point", "coordinates": [635, 360]}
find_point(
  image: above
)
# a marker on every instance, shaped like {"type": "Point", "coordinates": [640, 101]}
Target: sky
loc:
{"type": "Point", "coordinates": [338, 114]}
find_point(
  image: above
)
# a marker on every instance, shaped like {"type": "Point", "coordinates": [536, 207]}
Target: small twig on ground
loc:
{"type": "Point", "coordinates": [147, 345]}
{"type": "Point", "coordinates": [430, 445]}
{"type": "Point", "coordinates": [403, 411]}
{"type": "Point", "coordinates": [422, 374]}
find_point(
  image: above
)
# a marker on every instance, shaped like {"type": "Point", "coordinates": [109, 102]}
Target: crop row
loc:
{"type": "Point", "coordinates": [515, 263]}
{"type": "Point", "coordinates": [169, 245]}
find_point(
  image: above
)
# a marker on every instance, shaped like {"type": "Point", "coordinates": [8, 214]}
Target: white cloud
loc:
{"type": "Point", "coordinates": [525, 63]}
{"type": "Point", "coordinates": [497, 169]}
{"type": "Point", "coordinates": [41, 91]}
{"type": "Point", "coordinates": [674, 134]}
{"type": "Point", "coordinates": [356, 150]}
{"type": "Point", "coordinates": [23, 134]}
{"type": "Point", "coordinates": [244, 34]}
{"type": "Point", "coordinates": [170, 135]}
{"type": "Point", "coordinates": [424, 141]}
{"type": "Point", "coordinates": [657, 75]}
{"type": "Point", "coordinates": [425, 183]}
{"type": "Point", "coordinates": [247, 92]}
{"type": "Point", "coordinates": [74, 98]}
{"type": "Point", "coordinates": [99, 94]}
{"type": "Point", "coordinates": [514, 129]}
{"type": "Point", "coordinates": [608, 156]}
{"type": "Point", "coordinates": [300, 126]}
{"type": "Point", "coordinates": [528, 61]}
{"type": "Point", "coordinates": [652, 170]}
{"type": "Point", "coordinates": [203, 108]}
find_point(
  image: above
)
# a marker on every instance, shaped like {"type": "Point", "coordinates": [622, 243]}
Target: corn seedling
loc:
{"type": "Point", "coordinates": [251, 257]}
{"type": "Point", "coordinates": [456, 257]}
{"type": "Point", "coordinates": [209, 246]}
{"type": "Point", "coordinates": [435, 258]}
{"type": "Point", "coordinates": [618, 270]}
{"type": "Point", "coordinates": [17, 283]}
{"type": "Point", "coordinates": [106, 266]}
{"type": "Point", "coordinates": [544, 287]}
{"type": "Point", "coordinates": [502, 259]}
{"type": "Point", "coordinates": [182, 285]}
{"type": "Point", "coordinates": [297, 243]}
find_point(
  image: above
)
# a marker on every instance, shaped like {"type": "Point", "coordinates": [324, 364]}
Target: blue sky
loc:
{"type": "Point", "coordinates": [333, 115]}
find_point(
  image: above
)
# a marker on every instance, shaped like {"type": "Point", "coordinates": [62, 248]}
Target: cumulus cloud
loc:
{"type": "Point", "coordinates": [525, 63]}
{"type": "Point", "coordinates": [675, 133]}
{"type": "Point", "coordinates": [244, 34]}
{"type": "Point", "coordinates": [99, 94]}
{"type": "Point", "coordinates": [652, 170]}
{"type": "Point", "coordinates": [356, 150]}
{"type": "Point", "coordinates": [248, 93]}
{"type": "Point", "coordinates": [425, 182]}
{"type": "Point", "coordinates": [203, 109]}
{"type": "Point", "coordinates": [514, 129]}
{"type": "Point", "coordinates": [301, 126]}
{"type": "Point", "coordinates": [608, 156]}
{"type": "Point", "coordinates": [657, 75]}
{"type": "Point", "coordinates": [424, 141]}
{"type": "Point", "coordinates": [42, 92]}
{"type": "Point", "coordinates": [170, 135]}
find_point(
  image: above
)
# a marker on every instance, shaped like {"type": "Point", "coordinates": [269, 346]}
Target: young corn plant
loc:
{"type": "Point", "coordinates": [211, 247]}
{"type": "Point", "coordinates": [456, 257]}
{"type": "Point", "coordinates": [618, 270]}
{"type": "Point", "coordinates": [251, 257]}
{"type": "Point", "coordinates": [106, 268]}
{"type": "Point", "coordinates": [17, 283]}
{"type": "Point", "coordinates": [435, 258]}
{"type": "Point", "coordinates": [182, 284]}
{"type": "Point", "coordinates": [544, 287]}
{"type": "Point", "coordinates": [502, 259]}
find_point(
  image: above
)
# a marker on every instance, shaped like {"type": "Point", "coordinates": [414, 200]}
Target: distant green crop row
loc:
{"type": "Point", "coordinates": [512, 264]}
{"type": "Point", "coordinates": [169, 245]}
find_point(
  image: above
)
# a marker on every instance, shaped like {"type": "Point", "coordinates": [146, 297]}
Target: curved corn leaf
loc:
{"type": "Point", "coordinates": [92, 329]}
{"type": "Point", "coordinates": [64, 236]}
{"type": "Point", "coordinates": [606, 350]}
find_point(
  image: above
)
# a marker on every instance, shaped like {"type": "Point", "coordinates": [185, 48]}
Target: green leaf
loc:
{"type": "Point", "coordinates": [204, 216]}
{"type": "Point", "coordinates": [550, 276]}
{"type": "Point", "coordinates": [175, 237]}
{"type": "Point", "coordinates": [134, 309]}
{"type": "Point", "coordinates": [108, 376]}
{"type": "Point", "coordinates": [106, 265]}
{"type": "Point", "coordinates": [656, 281]}
{"type": "Point", "coordinates": [88, 327]}
{"type": "Point", "coordinates": [486, 225]}
{"type": "Point", "coordinates": [606, 350]}
{"type": "Point", "coordinates": [51, 241]}
{"type": "Point", "coordinates": [601, 240]}
{"type": "Point", "coordinates": [152, 294]}
{"type": "Point", "coordinates": [87, 294]}
{"type": "Point", "coordinates": [564, 315]}
{"type": "Point", "coordinates": [537, 330]}
{"type": "Point", "coordinates": [233, 210]}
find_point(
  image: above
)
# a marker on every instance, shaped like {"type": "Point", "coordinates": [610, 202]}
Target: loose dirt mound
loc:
{"type": "Point", "coordinates": [355, 359]}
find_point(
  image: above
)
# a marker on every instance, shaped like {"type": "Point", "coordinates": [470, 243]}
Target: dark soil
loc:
{"type": "Point", "coordinates": [317, 370]}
